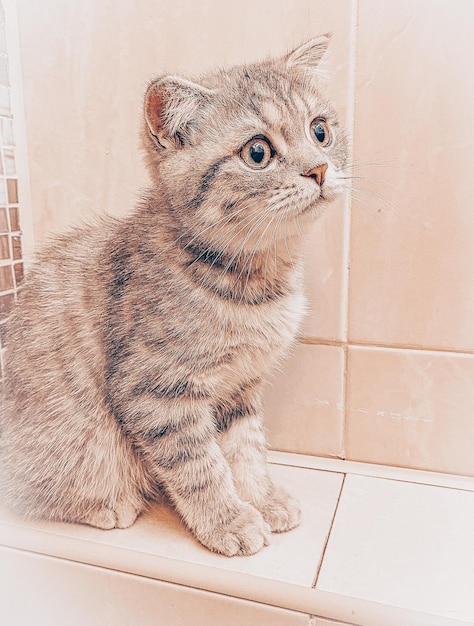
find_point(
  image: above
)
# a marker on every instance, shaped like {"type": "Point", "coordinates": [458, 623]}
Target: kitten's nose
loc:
{"type": "Point", "coordinates": [318, 173]}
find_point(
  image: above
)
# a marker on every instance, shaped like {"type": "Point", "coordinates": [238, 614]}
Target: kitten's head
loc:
{"type": "Point", "coordinates": [245, 155]}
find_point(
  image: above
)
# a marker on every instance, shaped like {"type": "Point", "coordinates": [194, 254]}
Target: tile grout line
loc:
{"type": "Point", "coordinates": [320, 341]}
{"type": "Point", "coordinates": [326, 543]}
{"type": "Point", "coordinates": [345, 403]}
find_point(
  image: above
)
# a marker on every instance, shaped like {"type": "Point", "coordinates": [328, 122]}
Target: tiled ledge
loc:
{"type": "Point", "coordinates": [402, 474]}
{"type": "Point", "coordinates": [295, 572]}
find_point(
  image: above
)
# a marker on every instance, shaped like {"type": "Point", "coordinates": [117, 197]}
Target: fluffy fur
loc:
{"type": "Point", "coordinates": [136, 353]}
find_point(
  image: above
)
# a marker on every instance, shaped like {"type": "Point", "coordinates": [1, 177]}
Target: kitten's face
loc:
{"type": "Point", "coordinates": [249, 154]}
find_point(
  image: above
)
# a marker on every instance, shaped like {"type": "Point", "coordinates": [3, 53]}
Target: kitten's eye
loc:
{"type": "Point", "coordinates": [257, 153]}
{"type": "Point", "coordinates": [321, 133]}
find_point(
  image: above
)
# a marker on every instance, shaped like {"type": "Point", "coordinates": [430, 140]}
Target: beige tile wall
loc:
{"type": "Point", "coordinates": [384, 367]}
{"type": "Point", "coordinates": [412, 251]}
{"type": "Point", "coordinates": [409, 366]}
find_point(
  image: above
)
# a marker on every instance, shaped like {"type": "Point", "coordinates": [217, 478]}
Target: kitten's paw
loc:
{"type": "Point", "coordinates": [100, 517]}
{"type": "Point", "coordinates": [125, 514]}
{"type": "Point", "coordinates": [245, 534]}
{"type": "Point", "coordinates": [280, 510]}
{"type": "Point", "coordinates": [122, 515]}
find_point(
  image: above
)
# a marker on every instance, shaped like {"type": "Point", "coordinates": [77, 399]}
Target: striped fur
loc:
{"type": "Point", "coordinates": [136, 354]}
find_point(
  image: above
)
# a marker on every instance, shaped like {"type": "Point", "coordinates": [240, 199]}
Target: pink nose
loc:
{"type": "Point", "coordinates": [318, 173]}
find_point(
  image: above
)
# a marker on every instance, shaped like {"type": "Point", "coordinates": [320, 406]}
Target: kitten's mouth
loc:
{"type": "Point", "coordinates": [329, 193]}
{"type": "Point", "coordinates": [325, 197]}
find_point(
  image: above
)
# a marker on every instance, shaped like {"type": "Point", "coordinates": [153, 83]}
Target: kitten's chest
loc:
{"type": "Point", "coordinates": [248, 342]}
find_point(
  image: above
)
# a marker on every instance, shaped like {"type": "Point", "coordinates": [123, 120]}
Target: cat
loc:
{"type": "Point", "coordinates": [136, 353]}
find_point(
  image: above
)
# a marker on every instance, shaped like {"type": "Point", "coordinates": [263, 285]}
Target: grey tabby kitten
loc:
{"type": "Point", "coordinates": [136, 353]}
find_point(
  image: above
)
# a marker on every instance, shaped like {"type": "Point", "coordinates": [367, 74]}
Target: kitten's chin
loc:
{"type": "Point", "coordinates": [314, 209]}
{"type": "Point", "coordinates": [329, 195]}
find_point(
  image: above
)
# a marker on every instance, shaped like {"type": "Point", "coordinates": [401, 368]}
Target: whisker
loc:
{"type": "Point", "coordinates": [298, 225]}
{"type": "Point", "coordinates": [283, 216]}
{"type": "Point", "coordinates": [224, 238]}
{"type": "Point", "coordinates": [225, 219]}
{"type": "Point", "coordinates": [285, 237]}
{"type": "Point", "coordinates": [276, 221]}
{"type": "Point", "coordinates": [262, 218]}
{"type": "Point", "coordinates": [366, 179]}
{"type": "Point", "coordinates": [266, 264]}
{"type": "Point", "coordinates": [255, 218]}
{"type": "Point", "coordinates": [258, 222]}
{"type": "Point", "coordinates": [387, 162]}
{"type": "Point", "coordinates": [249, 261]}
{"type": "Point", "coordinates": [360, 194]}
{"type": "Point", "coordinates": [275, 217]}
{"type": "Point", "coordinates": [225, 242]}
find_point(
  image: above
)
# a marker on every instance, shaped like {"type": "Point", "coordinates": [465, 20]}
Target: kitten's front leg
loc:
{"type": "Point", "coordinates": [242, 441]}
{"type": "Point", "coordinates": [177, 436]}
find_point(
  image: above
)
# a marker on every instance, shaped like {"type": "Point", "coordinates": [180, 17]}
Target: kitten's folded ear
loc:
{"type": "Point", "coordinates": [309, 55]}
{"type": "Point", "coordinates": [173, 106]}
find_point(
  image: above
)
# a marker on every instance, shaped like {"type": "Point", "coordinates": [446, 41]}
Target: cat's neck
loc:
{"type": "Point", "coordinates": [252, 277]}
{"type": "Point", "coordinates": [246, 274]}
